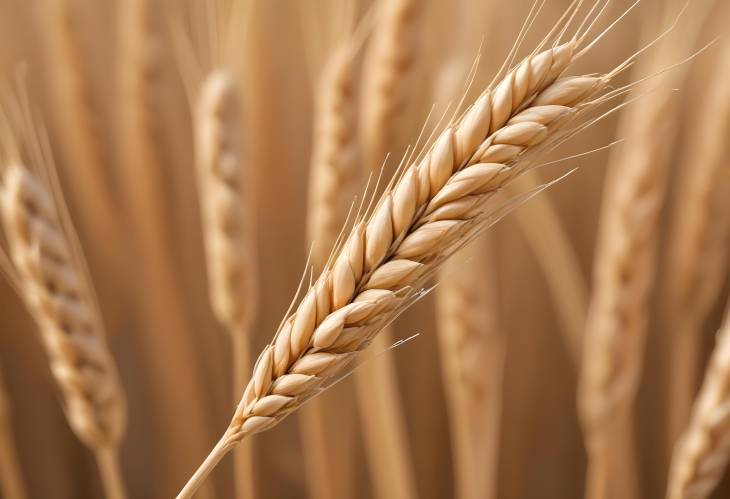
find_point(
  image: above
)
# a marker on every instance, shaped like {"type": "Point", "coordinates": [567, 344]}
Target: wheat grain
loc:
{"type": "Point", "coordinates": [12, 483]}
{"type": "Point", "coordinates": [436, 206]}
{"type": "Point", "coordinates": [472, 353]}
{"type": "Point", "coordinates": [698, 242]}
{"type": "Point", "coordinates": [45, 264]}
{"type": "Point", "coordinates": [702, 453]}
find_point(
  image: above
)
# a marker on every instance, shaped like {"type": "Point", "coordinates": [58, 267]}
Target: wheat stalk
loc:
{"type": "Point", "coordinates": [43, 261]}
{"type": "Point", "coordinates": [702, 453]}
{"type": "Point", "coordinates": [166, 339]}
{"type": "Point", "coordinates": [472, 356]}
{"type": "Point", "coordinates": [551, 245]}
{"type": "Point", "coordinates": [436, 206]}
{"type": "Point", "coordinates": [389, 70]}
{"type": "Point", "coordinates": [698, 241]}
{"type": "Point", "coordinates": [624, 269]}
{"type": "Point", "coordinates": [334, 182]}
{"type": "Point", "coordinates": [12, 484]}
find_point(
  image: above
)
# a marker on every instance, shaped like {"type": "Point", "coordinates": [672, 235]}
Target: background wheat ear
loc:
{"type": "Point", "coordinates": [44, 262]}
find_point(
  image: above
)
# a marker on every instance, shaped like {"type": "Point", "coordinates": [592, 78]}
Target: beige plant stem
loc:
{"type": "Point", "coordinates": [472, 357]}
{"type": "Point", "coordinates": [83, 145]}
{"type": "Point", "coordinates": [436, 206]}
{"type": "Point", "coordinates": [231, 261]}
{"type": "Point", "coordinates": [335, 177]}
{"type": "Point", "coordinates": [699, 238]}
{"type": "Point", "coordinates": [166, 340]}
{"type": "Point", "coordinates": [551, 245]}
{"type": "Point", "coordinates": [12, 484]}
{"type": "Point", "coordinates": [43, 261]}
{"type": "Point", "coordinates": [389, 71]}
{"type": "Point", "coordinates": [702, 453]}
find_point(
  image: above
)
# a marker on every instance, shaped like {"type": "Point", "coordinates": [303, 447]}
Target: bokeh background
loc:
{"type": "Point", "coordinates": [142, 238]}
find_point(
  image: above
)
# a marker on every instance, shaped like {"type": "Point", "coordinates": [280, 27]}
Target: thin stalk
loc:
{"type": "Point", "coordinates": [111, 474]}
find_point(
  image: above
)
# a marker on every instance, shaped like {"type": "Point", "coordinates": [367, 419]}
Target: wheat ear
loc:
{"type": "Point", "coordinates": [702, 452]}
{"type": "Point", "coordinates": [699, 237]}
{"type": "Point", "coordinates": [389, 70]}
{"type": "Point", "coordinates": [624, 269]}
{"type": "Point", "coordinates": [472, 357]}
{"type": "Point", "coordinates": [12, 483]}
{"type": "Point", "coordinates": [436, 206]}
{"type": "Point", "coordinates": [45, 264]}
{"type": "Point", "coordinates": [334, 183]}
{"type": "Point", "coordinates": [230, 256]}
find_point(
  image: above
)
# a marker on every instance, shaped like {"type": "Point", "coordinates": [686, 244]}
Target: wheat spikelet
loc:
{"type": "Point", "coordinates": [44, 262]}
{"type": "Point", "coordinates": [334, 183]}
{"type": "Point", "coordinates": [472, 353]}
{"type": "Point", "coordinates": [12, 484]}
{"type": "Point", "coordinates": [702, 453]}
{"type": "Point", "coordinates": [698, 241]}
{"type": "Point", "coordinates": [436, 206]}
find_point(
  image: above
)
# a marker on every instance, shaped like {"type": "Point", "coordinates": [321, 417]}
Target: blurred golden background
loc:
{"type": "Point", "coordinates": [106, 81]}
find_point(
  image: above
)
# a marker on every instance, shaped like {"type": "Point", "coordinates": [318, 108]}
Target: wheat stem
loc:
{"type": "Point", "coordinates": [698, 243]}
{"type": "Point", "coordinates": [12, 483]}
{"type": "Point", "coordinates": [702, 453]}
{"type": "Point", "coordinates": [111, 475]}
{"type": "Point", "coordinates": [472, 358]}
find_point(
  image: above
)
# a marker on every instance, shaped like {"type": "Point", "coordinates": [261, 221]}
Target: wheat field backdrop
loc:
{"type": "Point", "coordinates": [210, 208]}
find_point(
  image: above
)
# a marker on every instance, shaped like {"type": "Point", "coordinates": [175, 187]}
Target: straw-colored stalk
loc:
{"type": "Point", "coordinates": [437, 205]}
{"type": "Point", "coordinates": [699, 241]}
{"type": "Point", "coordinates": [49, 273]}
{"type": "Point", "coordinates": [335, 177]}
{"type": "Point", "coordinates": [12, 484]}
{"type": "Point", "coordinates": [165, 337]}
{"type": "Point", "coordinates": [389, 71]}
{"type": "Point", "coordinates": [623, 273]}
{"type": "Point", "coordinates": [83, 145]}
{"type": "Point", "coordinates": [230, 255]}
{"type": "Point", "coordinates": [702, 453]}
{"type": "Point", "coordinates": [551, 245]}
{"type": "Point", "coordinates": [472, 359]}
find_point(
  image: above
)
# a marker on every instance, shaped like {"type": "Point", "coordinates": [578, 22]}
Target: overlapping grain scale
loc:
{"type": "Point", "coordinates": [335, 180]}
{"type": "Point", "coordinates": [624, 268]}
{"type": "Point", "coordinates": [12, 484]}
{"type": "Point", "coordinates": [415, 227]}
{"type": "Point", "coordinates": [472, 350]}
{"type": "Point", "coordinates": [54, 287]}
{"type": "Point", "coordinates": [701, 455]}
{"type": "Point", "coordinates": [699, 240]}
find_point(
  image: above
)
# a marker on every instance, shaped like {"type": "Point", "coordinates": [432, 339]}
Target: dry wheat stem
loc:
{"type": "Point", "coordinates": [52, 279]}
{"type": "Point", "coordinates": [389, 73]}
{"type": "Point", "coordinates": [702, 453]}
{"type": "Point", "coordinates": [230, 258]}
{"type": "Point", "coordinates": [557, 257]}
{"type": "Point", "coordinates": [437, 205]}
{"type": "Point", "coordinates": [700, 234]}
{"type": "Point", "coordinates": [472, 355]}
{"type": "Point", "coordinates": [623, 274]}
{"type": "Point", "coordinates": [334, 183]}
{"type": "Point", "coordinates": [166, 339]}
{"type": "Point", "coordinates": [12, 484]}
